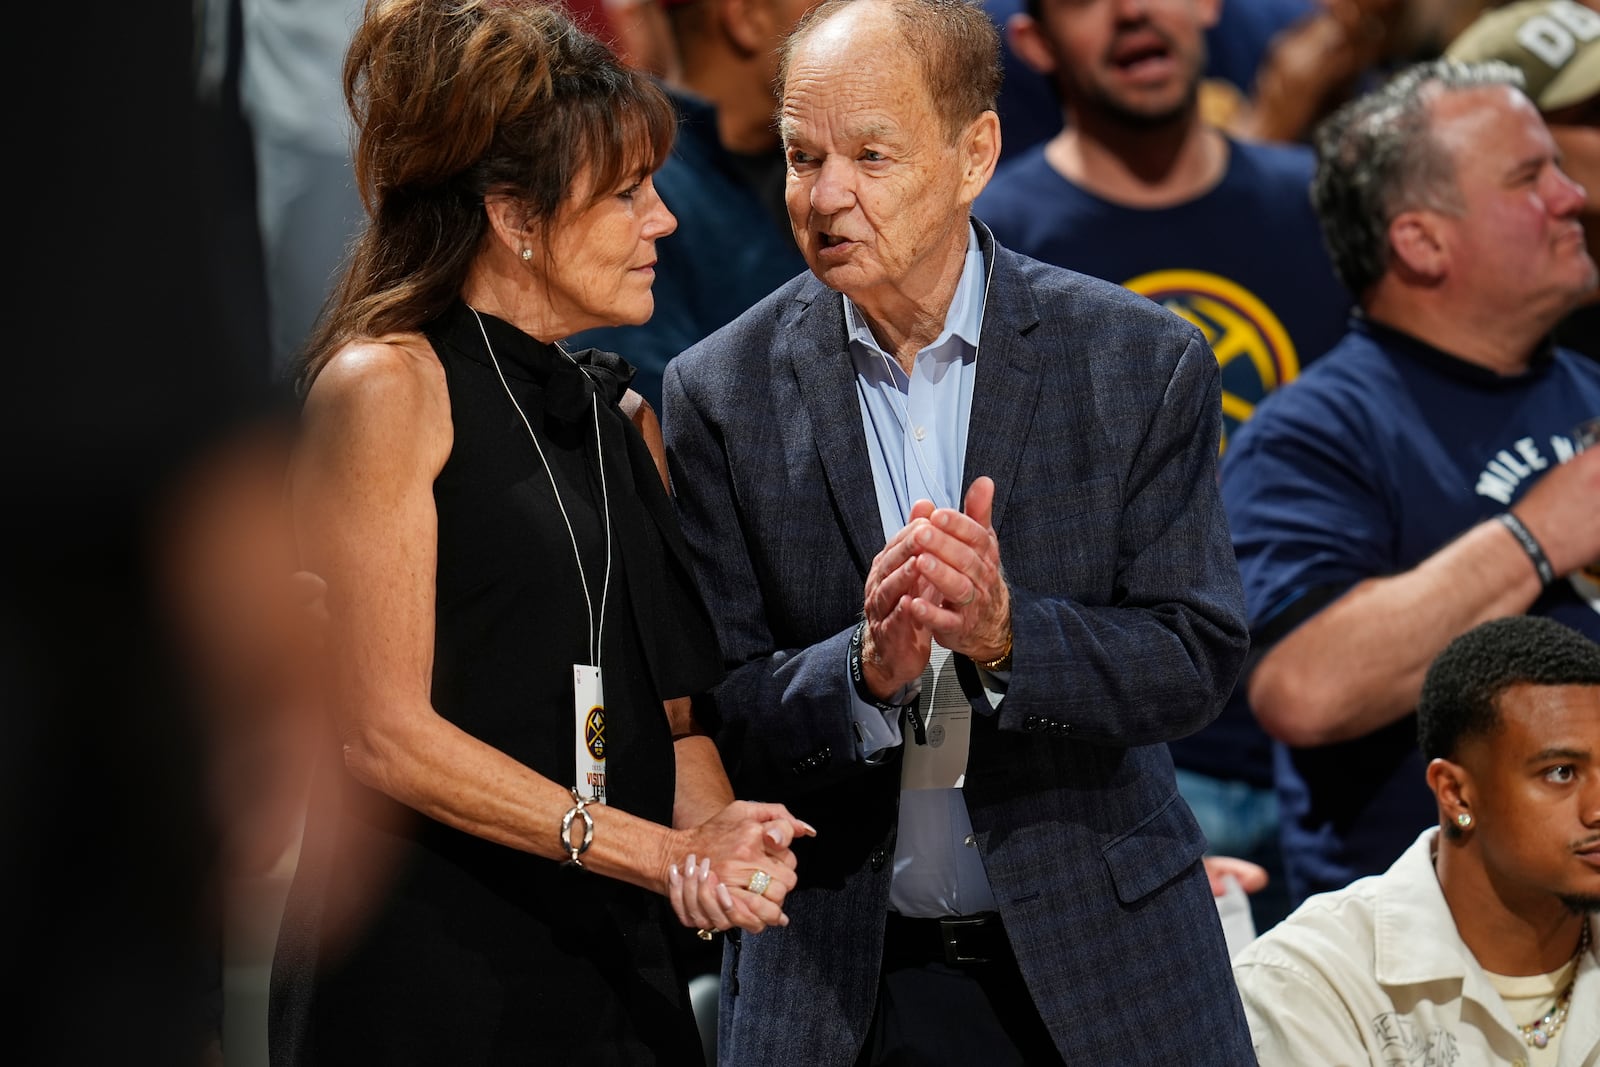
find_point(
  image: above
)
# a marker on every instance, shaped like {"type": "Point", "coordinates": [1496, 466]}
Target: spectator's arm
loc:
{"type": "Point", "coordinates": [1296, 1017]}
{"type": "Point", "coordinates": [1358, 664]}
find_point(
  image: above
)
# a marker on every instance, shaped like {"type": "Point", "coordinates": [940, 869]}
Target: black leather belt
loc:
{"type": "Point", "coordinates": [958, 940]}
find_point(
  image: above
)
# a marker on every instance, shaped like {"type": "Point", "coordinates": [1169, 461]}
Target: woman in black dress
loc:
{"type": "Point", "coordinates": [524, 798]}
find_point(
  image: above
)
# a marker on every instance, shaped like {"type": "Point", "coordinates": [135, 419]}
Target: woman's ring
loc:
{"type": "Point", "coordinates": [759, 880]}
{"type": "Point", "coordinates": [704, 934]}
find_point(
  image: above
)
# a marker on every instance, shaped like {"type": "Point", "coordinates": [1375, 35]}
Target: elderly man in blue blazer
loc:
{"type": "Point", "coordinates": [955, 513]}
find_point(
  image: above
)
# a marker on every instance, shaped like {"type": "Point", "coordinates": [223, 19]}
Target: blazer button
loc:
{"type": "Point", "coordinates": [879, 858]}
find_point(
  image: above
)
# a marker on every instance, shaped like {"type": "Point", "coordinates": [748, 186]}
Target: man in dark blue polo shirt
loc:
{"type": "Point", "coordinates": [1421, 478]}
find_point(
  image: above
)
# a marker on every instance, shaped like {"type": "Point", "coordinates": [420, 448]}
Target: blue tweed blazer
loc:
{"type": "Point", "coordinates": [1097, 414]}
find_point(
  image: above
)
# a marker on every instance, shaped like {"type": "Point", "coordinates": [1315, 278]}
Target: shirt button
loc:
{"type": "Point", "coordinates": [919, 433]}
{"type": "Point", "coordinates": [971, 840]}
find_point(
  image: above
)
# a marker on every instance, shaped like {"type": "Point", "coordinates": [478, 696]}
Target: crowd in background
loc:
{"type": "Point", "coordinates": [1202, 203]}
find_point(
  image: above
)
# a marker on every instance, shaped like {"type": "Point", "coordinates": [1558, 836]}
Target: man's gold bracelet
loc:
{"type": "Point", "coordinates": [1002, 662]}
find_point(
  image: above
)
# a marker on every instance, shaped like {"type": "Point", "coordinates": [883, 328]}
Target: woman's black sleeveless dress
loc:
{"type": "Point", "coordinates": [408, 942]}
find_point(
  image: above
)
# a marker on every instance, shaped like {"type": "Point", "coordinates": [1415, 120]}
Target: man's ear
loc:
{"type": "Point", "coordinates": [747, 23]}
{"type": "Point", "coordinates": [1027, 39]}
{"type": "Point", "coordinates": [980, 152]}
{"type": "Point", "coordinates": [1418, 241]}
{"type": "Point", "coordinates": [1452, 789]}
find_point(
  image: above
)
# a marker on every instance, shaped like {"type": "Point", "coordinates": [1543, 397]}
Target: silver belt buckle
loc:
{"type": "Point", "coordinates": [950, 931]}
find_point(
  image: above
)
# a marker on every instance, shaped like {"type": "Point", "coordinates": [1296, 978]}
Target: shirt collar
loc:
{"type": "Point", "coordinates": [1539, 360]}
{"type": "Point", "coordinates": [964, 319]}
{"type": "Point", "coordinates": [1412, 923]}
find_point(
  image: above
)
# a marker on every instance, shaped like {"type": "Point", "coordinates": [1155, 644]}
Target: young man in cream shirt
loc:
{"type": "Point", "coordinates": [1478, 946]}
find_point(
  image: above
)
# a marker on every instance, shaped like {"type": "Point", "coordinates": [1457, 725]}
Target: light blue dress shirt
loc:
{"type": "Point", "coordinates": [916, 427]}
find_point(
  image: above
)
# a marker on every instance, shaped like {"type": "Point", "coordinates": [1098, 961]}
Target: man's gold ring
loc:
{"type": "Point", "coordinates": [759, 880]}
{"type": "Point", "coordinates": [704, 934]}
{"type": "Point", "coordinates": [972, 594]}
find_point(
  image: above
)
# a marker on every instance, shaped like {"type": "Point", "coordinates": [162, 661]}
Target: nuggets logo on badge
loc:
{"type": "Point", "coordinates": [594, 732]}
{"type": "Point", "coordinates": [1251, 345]}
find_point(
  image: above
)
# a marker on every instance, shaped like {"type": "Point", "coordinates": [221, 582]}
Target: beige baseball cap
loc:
{"type": "Point", "coordinates": [1555, 43]}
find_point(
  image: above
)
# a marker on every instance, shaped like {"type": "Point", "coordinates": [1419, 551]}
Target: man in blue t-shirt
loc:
{"type": "Point", "coordinates": [1421, 477]}
{"type": "Point", "coordinates": [1138, 190]}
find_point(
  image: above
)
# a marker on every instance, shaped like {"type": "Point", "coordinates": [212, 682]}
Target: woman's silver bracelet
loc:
{"type": "Point", "coordinates": [579, 810]}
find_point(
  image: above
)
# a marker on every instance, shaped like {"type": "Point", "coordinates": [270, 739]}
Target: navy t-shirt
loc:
{"type": "Point", "coordinates": [1382, 453]}
{"type": "Point", "coordinates": [1245, 262]}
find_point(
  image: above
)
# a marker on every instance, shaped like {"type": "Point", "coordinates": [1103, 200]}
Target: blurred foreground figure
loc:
{"type": "Point", "coordinates": [111, 847]}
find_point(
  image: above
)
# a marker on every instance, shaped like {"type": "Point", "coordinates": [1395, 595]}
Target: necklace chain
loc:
{"type": "Point", "coordinates": [596, 633]}
{"type": "Point", "coordinates": [1540, 1032]}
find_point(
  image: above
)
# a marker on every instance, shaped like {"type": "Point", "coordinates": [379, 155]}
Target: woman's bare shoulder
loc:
{"type": "Point", "coordinates": [391, 386]}
{"type": "Point", "coordinates": [396, 366]}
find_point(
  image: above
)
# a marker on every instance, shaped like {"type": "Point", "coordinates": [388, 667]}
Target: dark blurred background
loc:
{"type": "Point", "coordinates": [121, 380]}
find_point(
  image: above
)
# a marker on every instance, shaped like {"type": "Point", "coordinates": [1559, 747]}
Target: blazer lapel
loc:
{"type": "Point", "coordinates": [1005, 394]}
{"type": "Point", "coordinates": [813, 341]}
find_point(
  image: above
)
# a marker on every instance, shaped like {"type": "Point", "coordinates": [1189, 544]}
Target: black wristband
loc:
{"type": "Point", "coordinates": [858, 677]}
{"type": "Point", "coordinates": [1530, 545]}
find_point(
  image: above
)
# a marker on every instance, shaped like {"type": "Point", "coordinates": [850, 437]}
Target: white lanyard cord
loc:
{"type": "Point", "coordinates": [596, 634]}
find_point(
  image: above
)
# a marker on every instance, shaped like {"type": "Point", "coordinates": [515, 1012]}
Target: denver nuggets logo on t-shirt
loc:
{"type": "Point", "coordinates": [594, 733]}
{"type": "Point", "coordinates": [1250, 344]}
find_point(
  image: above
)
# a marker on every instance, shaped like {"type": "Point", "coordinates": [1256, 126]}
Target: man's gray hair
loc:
{"type": "Point", "coordinates": [1377, 157]}
{"type": "Point", "coordinates": [955, 43]}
